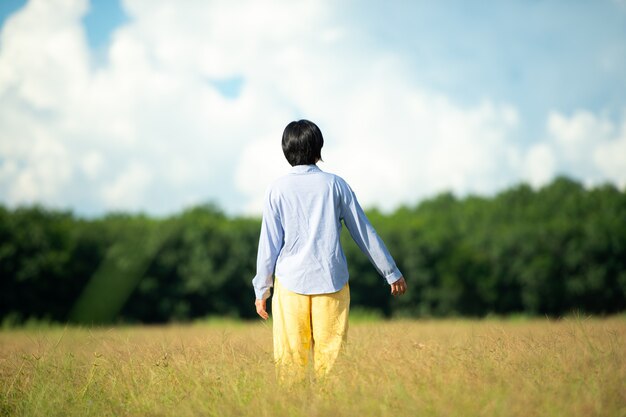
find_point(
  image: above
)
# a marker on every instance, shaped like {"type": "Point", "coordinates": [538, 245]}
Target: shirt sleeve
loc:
{"type": "Point", "coordinates": [366, 237]}
{"type": "Point", "coordinates": [270, 244]}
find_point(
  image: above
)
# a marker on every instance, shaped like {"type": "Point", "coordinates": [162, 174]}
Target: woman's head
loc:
{"type": "Point", "coordinates": [302, 143]}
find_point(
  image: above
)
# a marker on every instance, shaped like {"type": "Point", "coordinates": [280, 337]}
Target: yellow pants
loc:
{"type": "Point", "coordinates": [305, 323]}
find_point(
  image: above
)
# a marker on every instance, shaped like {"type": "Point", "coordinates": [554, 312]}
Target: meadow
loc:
{"type": "Point", "coordinates": [539, 367]}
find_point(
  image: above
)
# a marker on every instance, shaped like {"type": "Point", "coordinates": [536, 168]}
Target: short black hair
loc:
{"type": "Point", "coordinates": [302, 143]}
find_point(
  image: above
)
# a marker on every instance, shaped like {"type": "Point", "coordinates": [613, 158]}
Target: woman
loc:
{"type": "Point", "coordinates": [299, 245]}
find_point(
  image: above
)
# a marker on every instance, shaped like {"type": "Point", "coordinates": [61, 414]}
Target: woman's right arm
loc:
{"type": "Point", "coordinates": [270, 244]}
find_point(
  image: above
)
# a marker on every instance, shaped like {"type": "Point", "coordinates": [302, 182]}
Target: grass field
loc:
{"type": "Point", "coordinates": [568, 367]}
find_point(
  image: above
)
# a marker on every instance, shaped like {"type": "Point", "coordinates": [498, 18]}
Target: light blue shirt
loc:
{"type": "Point", "coordinates": [299, 240]}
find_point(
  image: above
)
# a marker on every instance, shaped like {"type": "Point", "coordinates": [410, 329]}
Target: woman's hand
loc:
{"type": "Point", "coordinates": [260, 309]}
{"type": "Point", "coordinates": [397, 288]}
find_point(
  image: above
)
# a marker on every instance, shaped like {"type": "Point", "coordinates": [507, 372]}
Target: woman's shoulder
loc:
{"type": "Point", "coordinates": [288, 182]}
{"type": "Point", "coordinates": [339, 184]}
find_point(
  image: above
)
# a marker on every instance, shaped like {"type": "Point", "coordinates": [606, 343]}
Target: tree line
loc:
{"type": "Point", "coordinates": [550, 251]}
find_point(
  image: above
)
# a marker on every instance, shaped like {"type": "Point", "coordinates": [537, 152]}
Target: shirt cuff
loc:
{"type": "Point", "coordinates": [262, 294]}
{"type": "Point", "coordinates": [394, 276]}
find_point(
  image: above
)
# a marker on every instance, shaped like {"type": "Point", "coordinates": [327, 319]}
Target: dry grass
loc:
{"type": "Point", "coordinates": [571, 367]}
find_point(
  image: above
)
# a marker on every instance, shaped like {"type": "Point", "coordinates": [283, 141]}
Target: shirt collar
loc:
{"type": "Point", "coordinates": [304, 169]}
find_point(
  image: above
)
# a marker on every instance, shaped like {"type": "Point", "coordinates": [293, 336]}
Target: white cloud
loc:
{"type": "Point", "coordinates": [588, 146]}
{"type": "Point", "coordinates": [577, 135]}
{"type": "Point", "coordinates": [144, 105]}
{"type": "Point", "coordinates": [44, 53]}
{"type": "Point", "coordinates": [539, 165]}
{"type": "Point", "coordinates": [127, 190]}
{"type": "Point", "coordinates": [92, 164]}
{"type": "Point", "coordinates": [152, 105]}
{"type": "Point", "coordinates": [391, 141]}
{"type": "Point", "coordinates": [610, 158]}
{"type": "Point", "coordinates": [149, 130]}
{"type": "Point", "coordinates": [260, 163]}
{"type": "Point", "coordinates": [46, 171]}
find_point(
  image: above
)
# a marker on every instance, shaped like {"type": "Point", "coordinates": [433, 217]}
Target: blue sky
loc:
{"type": "Point", "coordinates": [540, 55]}
{"type": "Point", "coordinates": [156, 106]}
{"type": "Point", "coordinates": [101, 19]}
